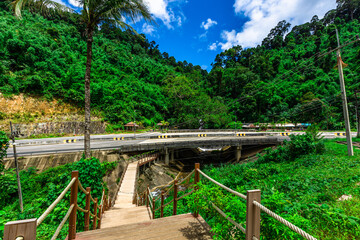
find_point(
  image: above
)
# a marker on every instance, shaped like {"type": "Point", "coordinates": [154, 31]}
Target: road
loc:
{"type": "Point", "coordinates": [146, 141]}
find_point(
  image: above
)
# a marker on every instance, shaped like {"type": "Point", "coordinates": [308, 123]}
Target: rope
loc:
{"type": "Point", "coordinates": [62, 222]}
{"type": "Point", "coordinates": [91, 198]}
{"type": "Point", "coordinates": [224, 187]}
{"type": "Point", "coordinates": [188, 176]}
{"type": "Point", "coordinates": [168, 203]}
{"type": "Point", "coordinates": [82, 189]}
{"type": "Point", "coordinates": [150, 204]}
{"type": "Point", "coordinates": [187, 194]}
{"type": "Point", "coordinates": [157, 209]}
{"type": "Point", "coordinates": [228, 218]}
{"type": "Point", "coordinates": [81, 209]}
{"type": "Point", "coordinates": [285, 222]}
{"type": "Point", "coordinates": [92, 215]}
{"type": "Point", "coordinates": [102, 197]}
{"type": "Point", "coordinates": [168, 184]}
{"type": "Point", "coordinates": [158, 197]}
{"type": "Point", "coordinates": [169, 190]}
{"type": "Point", "coordinates": [52, 206]}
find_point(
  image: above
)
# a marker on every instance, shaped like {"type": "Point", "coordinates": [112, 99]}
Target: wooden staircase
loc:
{"type": "Point", "coordinates": [124, 211]}
{"type": "Point", "coordinates": [127, 221]}
{"type": "Point", "coordinates": [177, 227]}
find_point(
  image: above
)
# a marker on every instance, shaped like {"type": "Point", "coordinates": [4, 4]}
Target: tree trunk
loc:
{"type": "Point", "coordinates": [87, 92]}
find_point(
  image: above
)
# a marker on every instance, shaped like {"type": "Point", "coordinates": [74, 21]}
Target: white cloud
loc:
{"type": "Point", "coordinates": [59, 1]}
{"type": "Point", "coordinates": [265, 14]}
{"type": "Point", "coordinates": [148, 29]}
{"type": "Point", "coordinates": [208, 24]}
{"type": "Point", "coordinates": [160, 9]}
{"type": "Point", "coordinates": [213, 46]}
{"type": "Point", "coordinates": [74, 3]}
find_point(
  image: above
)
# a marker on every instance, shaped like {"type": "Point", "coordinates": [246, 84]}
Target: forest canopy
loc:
{"type": "Point", "coordinates": [288, 78]}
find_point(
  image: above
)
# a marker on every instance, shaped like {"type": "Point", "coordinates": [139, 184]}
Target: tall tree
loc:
{"type": "Point", "coordinates": [94, 13]}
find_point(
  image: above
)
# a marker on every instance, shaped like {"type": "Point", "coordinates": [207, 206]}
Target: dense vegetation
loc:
{"type": "Point", "coordinates": [130, 77]}
{"type": "Point", "coordinates": [41, 189]}
{"type": "Point", "coordinates": [283, 79]}
{"type": "Point", "coordinates": [289, 77]}
{"type": "Point", "coordinates": [303, 188]}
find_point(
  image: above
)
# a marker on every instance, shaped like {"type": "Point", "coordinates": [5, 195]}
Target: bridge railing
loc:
{"type": "Point", "coordinates": [252, 198]}
{"type": "Point", "coordinates": [26, 229]}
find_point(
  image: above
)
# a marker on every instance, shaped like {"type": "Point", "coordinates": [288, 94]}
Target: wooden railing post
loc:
{"type": "Point", "coordinates": [87, 208]}
{"type": "Point", "coordinates": [153, 210]}
{"type": "Point", "coordinates": [95, 213]}
{"type": "Point", "coordinates": [109, 201]}
{"type": "Point", "coordinates": [175, 196]}
{"type": "Point", "coordinates": [196, 181]}
{"type": "Point", "coordinates": [103, 200]}
{"type": "Point", "coordinates": [22, 228]}
{"type": "Point", "coordinates": [73, 200]}
{"type": "Point", "coordinates": [252, 215]}
{"type": "Point", "coordinates": [162, 204]}
{"type": "Point", "coordinates": [147, 196]}
{"type": "Point", "coordinates": [100, 215]}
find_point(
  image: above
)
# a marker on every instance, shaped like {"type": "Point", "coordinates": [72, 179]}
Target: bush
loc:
{"type": "Point", "coordinates": [298, 146]}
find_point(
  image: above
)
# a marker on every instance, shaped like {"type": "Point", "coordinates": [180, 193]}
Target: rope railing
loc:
{"type": "Point", "coordinates": [185, 195]}
{"type": "Point", "coordinates": [166, 193]}
{"type": "Point", "coordinates": [81, 209]}
{"type": "Point", "coordinates": [252, 229]}
{"type": "Point", "coordinates": [283, 221]}
{"type": "Point", "coordinates": [74, 185]}
{"type": "Point", "coordinates": [91, 198]}
{"type": "Point", "coordinates": [223, 186]}
{"type": "Point", "coordinates": [168, 203]}
{"type": "Point", "coordinates": [228, 218]}
{"type": "Point", "coordinates": [57, 232]}
{"type": "Point", "coordinates": [187, 177]}
{"type": "Point", "coordinates": [82, 189]}
{"type": "Point", "coordinates": [57, 200]}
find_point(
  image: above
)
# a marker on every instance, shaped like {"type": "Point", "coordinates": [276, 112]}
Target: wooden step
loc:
{"type": "Point", "coordinates": [176, 227]}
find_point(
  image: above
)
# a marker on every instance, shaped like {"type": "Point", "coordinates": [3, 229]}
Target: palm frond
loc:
{"type": "Point", "coordinates": [44, 7]}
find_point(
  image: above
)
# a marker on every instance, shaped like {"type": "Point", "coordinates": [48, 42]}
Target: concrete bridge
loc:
{"type": "Point", "coordinates": [165, 145]}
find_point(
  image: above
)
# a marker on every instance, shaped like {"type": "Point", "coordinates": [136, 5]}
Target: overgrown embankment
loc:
{"type": "Point", "coordinates": [301, 181]}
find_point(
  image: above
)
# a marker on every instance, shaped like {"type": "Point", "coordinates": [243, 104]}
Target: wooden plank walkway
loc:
{"type": "Point", "coordinates": [124, 212]}
{"type": "Point", "coordinates": [175, 227]}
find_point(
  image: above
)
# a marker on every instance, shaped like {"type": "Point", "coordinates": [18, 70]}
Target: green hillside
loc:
{"type": "Point", "coordinates": [289, 77]}
{"type": "Point", "coordinates": [130, 76]}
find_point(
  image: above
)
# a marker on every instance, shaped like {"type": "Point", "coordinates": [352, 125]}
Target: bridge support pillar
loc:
{"type": "Point", "coordinates": [238, 153]}
{"type": "Point", "coordinates": [172, 154]}
{"type": "Point", "coordinates": [166, 156]}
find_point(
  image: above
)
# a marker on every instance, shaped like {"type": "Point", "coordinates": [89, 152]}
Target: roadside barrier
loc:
{"type": "Point", "coordinates": [241, 134]}
{"type": "Point", "coordinates": [163, 136]}
{"type": "Point", "coordinates": [201, 135]}
{"type": "Point", "coordinates": [70, 141]}
{"type": "Point", "coordinates": [284, 134]}
{"type": "Point", "coordinates": [119, 138]}
{"type": "Point", "coordinates": [340, 134]}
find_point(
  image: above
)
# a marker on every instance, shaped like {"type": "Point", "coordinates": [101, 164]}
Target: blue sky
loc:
{"type": "Point", "coordinates": [197, 30]}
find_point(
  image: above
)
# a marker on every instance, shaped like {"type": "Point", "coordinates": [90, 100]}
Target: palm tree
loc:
{"type": "Point", "coordinates": [93, 14]}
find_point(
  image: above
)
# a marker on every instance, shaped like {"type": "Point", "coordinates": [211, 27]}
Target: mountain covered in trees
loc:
{"type": "Point", "coordinates": [289, 77]}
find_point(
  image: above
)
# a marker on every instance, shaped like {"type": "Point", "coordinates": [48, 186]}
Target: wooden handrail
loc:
{"type": "Point", "coordinates": [14, 229]}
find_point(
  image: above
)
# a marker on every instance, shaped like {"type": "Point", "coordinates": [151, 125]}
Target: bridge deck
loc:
{"type": "Point", "coordinates": [175, 227]}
